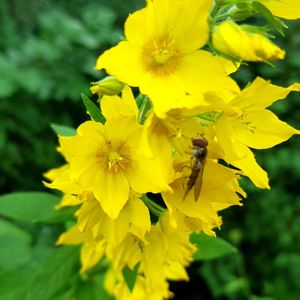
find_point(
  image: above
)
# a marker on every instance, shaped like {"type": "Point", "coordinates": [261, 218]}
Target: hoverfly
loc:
{"type": "Point", "coordinates": [199, 154]}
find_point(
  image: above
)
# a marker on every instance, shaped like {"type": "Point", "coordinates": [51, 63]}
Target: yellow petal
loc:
{"type": "Point", "coordinates": [262, 129]}
{"type": "Point", "coordinates": [176, 271]}
{"type": "Point", "coordinates": [69, 200]}
{"type": "Point", "coordinates": [225, 136]}
{"type": "Point", "coordinates": [200, 71]}
{"type": "Point", "coordinates": [164, 91]}
{"type": "Point", "coordinates": [52, 174]}
{"type": "Point", "coordinates": [230, 66]}
{"type": "Point", "coordinates": [123, 129]}
{"type": "Point", "coordinates": [138, 27]}
{"type": "Point", "coordinates": [144, 177]}
{"type": "Point", "coordinates": [64, 183]}
{"type": "Point", "coordinates": [261, 94]}
{"type": "Point", "coordinates": [127, 253]}
{"type": "Point", "coordinates": [251, 168]}
{"type": "Point", "coordinates": [124, 62]}
{"type": "Point", "coordinates": [154, 251]}
{"type": "Point", "coordinates": [185, 20]}
{"type": "Point", "coordinates": [92, 218]}
{"type": "Point", "coordinates": [112, 191]}
{"type": "Point", "coordinates": [90, 255]}
{"type": "Point", "coordinates": [115, 107]}
{"type": "Point", "coordinates": [202, 209]}
{"type": "Point", "coordinates": [286, 9]}
{"type": "Point", "coordinates": [73, 237]}
{"type": "Point", "coordinates": [216, 176]}
{"type": "Point", "coordinates": [139, 213]}
{"type": "Point", "coordinates": [188, 21]}
{"type": "Point", "coordinates": [83, 169]}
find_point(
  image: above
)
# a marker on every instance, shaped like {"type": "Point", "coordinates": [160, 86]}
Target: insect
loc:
{"type": "Point", "coordinates": [199, 154]}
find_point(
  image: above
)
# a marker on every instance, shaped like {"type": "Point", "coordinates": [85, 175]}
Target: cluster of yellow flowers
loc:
{"type": "Point", "coordinates": [163, 165]}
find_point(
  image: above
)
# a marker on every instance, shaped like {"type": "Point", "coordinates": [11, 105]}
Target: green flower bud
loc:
{"type": "Point", "coordinates": [107, 86]}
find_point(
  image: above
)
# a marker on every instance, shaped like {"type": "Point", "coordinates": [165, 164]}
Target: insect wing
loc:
{"type": "Point", "coordinates": [199, 181]}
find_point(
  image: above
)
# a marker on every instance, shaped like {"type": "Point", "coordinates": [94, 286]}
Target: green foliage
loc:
{"type": "Point", "coordinates": [31, 267]}
{"type": "Point", "coordinates": [42, 280]}
{"type": "Point", "coordinates": [63, 130]}
{"type": "Point", "coordinates": [33, 207]}
{"type": "Point", "coordinates": [93, 290]}
{"type": "Point", "coordinates": [210, 247]}
{"type": "Point", "coordinates": [19, 246]}
{"type": "Point", "coordinates": [92, 109]}
{"type": "Point", "coordinates": [274, 22]}
{"type": "Point", "coordinates": [130, 276]}
{"type": "Point", "coordinates": [47, 58]}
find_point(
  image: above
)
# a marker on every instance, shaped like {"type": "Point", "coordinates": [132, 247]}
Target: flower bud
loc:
{"type": "Point", "coordinates": [108, 86]}
{"type": "Point", "coordinates": [244, 42]}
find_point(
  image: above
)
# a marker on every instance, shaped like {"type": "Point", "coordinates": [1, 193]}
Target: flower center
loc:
{"type": "Point", "coordinates": [114, 156]}
{"type": "Point", "coordinates": [161, 56]}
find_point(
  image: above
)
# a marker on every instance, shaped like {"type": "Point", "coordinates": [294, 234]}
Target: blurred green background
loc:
{"type": "Point", "coordinates": [48, 51]}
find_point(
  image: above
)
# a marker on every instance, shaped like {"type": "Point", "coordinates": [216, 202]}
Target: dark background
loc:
{"type": "Point", "coordinates": [48, 51]}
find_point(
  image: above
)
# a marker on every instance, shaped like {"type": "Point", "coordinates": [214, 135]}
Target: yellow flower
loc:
{"type": "Point", "coordinates": [179, 248]}
{"type": "Point", "coordinates": [286, 9]}
{"type": "Point", "coordinates": [117, 287]}
{"type": "Point", "coordinates": [163, 255]}
{"type": "Point", "coordinates": [166, 254]}
{"type": "Point", "coordinates": [133, 218]}
{"type": "Point", "coordinates": [128, 253]}
{"type": "Point", "coordinates": [92, 250]}
{"type": "Point", "coordinates": [245, 122]}
{"type": "Point", "coordinates": [160, 54]}
{"type": "Point", "coordinates": [114, 107]}
{"type": "Point", "coordinates": [104, 160]}
{"type": "Point", "coordinates": [62, 181]}
{"type": "Point", "coordinates": [237, 41]}
{"type": "Point", "coordinates": [161, 136]}
{"type": "Point", "coordinates": [90, 254]}
{"type": "Point", "coordinates": [219, 191]}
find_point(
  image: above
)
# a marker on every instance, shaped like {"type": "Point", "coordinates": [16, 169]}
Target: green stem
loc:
{"type": "Point", "coordinates": [211, 116]}
{"type": "Point", "coordinates": [155, 208]}
{"type": "Point", "coordinates": [145, 106]}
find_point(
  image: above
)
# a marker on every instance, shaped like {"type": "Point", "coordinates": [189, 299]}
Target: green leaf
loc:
{"type": "Point", "coordinates": [100, 292]}
{"type": "Point", "coordinates": [63, 130]}
{"type": "Point", "coordinates": [92, 109]}
{"type": "Point", "coordinates": [34, 207]}
{"type": "Point", "coordinates": [93, 289]}
{"type": "Point", "coordinates": [130, 276]}
{"type": "Point", "coordinates": [55, 274]}
{"type": "Point", "coordinates": [144, 105]}
{"type": "Point", "coordinates": [15, 246]}
{"type": "Point", "coordinates": [210, 247]}
{"type": "Point", "coordinates": [53, 278]}
{"type": "Point", "coordinates": [276, 23]}
{"type": "Point", "coordinates": [66, 295]}
{"type": "Point", "coordinates": [139, 100]}
{"type": "Point", "coordinates": [85, 291]}
{"type": "Point", "coordinates": [14, 285]}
